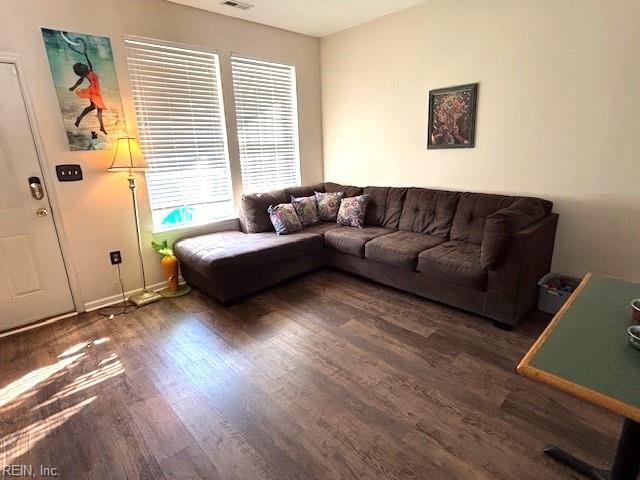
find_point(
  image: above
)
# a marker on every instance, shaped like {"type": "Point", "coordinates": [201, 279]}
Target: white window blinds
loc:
{"type": "Point", "coordinates": [180, 114]}
{"type": "Point", "coordinates": [267, 119]}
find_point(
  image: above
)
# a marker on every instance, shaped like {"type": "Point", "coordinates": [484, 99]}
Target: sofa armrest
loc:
{"type": "Point", "coordinates": [512, 284]}
{"type": "Point", "coordinates": [501, 224]}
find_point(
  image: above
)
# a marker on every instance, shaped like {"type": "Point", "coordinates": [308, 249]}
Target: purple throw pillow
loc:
{"type": "Point", "coordinates": [284, 218]}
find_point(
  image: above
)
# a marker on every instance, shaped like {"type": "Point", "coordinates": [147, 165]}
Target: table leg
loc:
{"type": "Point", "coordinates": [575, 464]}
{"type": "Point", "coordinates": [626, 465]}
{"type": "Point", "coordinates": [627, 462]}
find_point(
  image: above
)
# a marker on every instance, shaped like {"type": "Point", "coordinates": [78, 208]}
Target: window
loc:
{"type": "Point", "coordinates": [180, 115]}
{"type": "Point", "coordinates": [267, 117]}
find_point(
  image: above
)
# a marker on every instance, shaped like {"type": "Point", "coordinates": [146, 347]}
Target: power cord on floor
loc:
{"type": "Point", "coordinates": [116, 310]}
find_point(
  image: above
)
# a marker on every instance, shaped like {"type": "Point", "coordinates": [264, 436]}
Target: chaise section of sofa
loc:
{"type": "Point", "coordinates": [230, 265]}
{"type": "Point", "coordinates": [480, 252]}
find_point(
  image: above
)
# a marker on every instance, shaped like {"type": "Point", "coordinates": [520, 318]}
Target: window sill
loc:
{"type": "Point", "coordinates": [231, 223]}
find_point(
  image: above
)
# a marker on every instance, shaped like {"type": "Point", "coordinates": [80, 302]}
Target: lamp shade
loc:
{"type": "Point", "coordinates": [128, 156]}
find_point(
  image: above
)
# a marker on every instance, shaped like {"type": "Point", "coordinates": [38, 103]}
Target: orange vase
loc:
{"type": "Point", "coordinates": [170, 267]}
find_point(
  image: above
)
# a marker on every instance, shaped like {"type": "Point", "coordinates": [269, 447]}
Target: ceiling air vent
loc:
{"type": "Point", "coordinates": [234, 4]}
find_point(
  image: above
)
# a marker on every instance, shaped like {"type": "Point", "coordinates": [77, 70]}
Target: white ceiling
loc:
{"type": "Point", "coordinates": [311, 17]}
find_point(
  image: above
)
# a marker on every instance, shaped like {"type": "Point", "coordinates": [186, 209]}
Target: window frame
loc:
{"type": "Point", "coordinates": [296, 110]}
{"type": "Point", "coordinates": [232, 214]}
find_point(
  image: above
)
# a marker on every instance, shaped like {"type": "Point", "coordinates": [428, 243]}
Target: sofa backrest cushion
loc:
{"type": "Point", "coordinates": [304, 191]}
{"type": "Point", "coordinates": [428, 211]}
{"type": "Point", "coordinates": [376, 207]}
{"type": "Point", "coordinates": [254, 217]}
{"type": "Point", "coordinates": [349, 190]}
{"type": "Point", "coordinates": [385, 206]}
{"type": "Point", "coordinates": [473, 209]}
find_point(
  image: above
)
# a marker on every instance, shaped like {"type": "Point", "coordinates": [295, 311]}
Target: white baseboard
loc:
{"type": "Point", "coordinates": [89, 307]}
{"type": "Point", "coordinates": [37, 324]}
{"type": "Point", "coordinates": [113, 299]}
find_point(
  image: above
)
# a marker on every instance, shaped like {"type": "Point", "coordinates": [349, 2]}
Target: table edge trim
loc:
{"type": "Point", "coordinates": [579, 391]}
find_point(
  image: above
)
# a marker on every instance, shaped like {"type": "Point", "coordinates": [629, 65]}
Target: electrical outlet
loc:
{"type": "Point", "coordinates": [115, 257]}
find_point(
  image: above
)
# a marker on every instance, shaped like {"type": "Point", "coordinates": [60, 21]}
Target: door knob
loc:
{"type": "Point", "coordinates": [36, 188]}
{"type": "Point", "coordinates": [42, 212]}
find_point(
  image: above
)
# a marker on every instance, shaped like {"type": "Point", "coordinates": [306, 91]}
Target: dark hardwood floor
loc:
{"type": "Point", "coordinates": [327, 376]}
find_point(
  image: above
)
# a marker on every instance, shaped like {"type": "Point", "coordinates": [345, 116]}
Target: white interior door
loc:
{"type": "Point", "coordinates": [33, 280]}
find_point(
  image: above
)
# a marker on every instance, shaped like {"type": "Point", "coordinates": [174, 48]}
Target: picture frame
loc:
{"type": "Point", "coordinates": [452, 117]}
{"type": "Point", "coordinates": [84, 76]}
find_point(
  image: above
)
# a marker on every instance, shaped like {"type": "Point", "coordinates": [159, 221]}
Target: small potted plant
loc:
{"type": "Point", "coordinates": [169, 263]}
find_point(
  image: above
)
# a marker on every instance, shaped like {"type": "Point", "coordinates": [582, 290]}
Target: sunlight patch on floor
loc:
{"type": "Point", "coordinates": [74, 349]}
{"type": "Point", "coordinates": [87, 380]}
{"type": "Point", "coordinates": [82, 345]}
{"type": "Point", "coordinates": [20, 442]}
{"type": "Point", "coordinates": [30, 380]}
{"type": "Point", "coordinates": [110, 358]}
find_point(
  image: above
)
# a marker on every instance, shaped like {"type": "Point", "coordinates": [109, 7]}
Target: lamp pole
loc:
{"type": "Point", "coordinates": [124, 160]}
{"type": "Point", "coordinates": [133, 186]}
{"type": "Point", "coordinates": [146, 296]}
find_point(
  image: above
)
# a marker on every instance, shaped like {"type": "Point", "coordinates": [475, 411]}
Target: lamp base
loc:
{"type": "Point", "coordinates": [144, 298]}
{"type": "Point", "coordinates": [180, 292]}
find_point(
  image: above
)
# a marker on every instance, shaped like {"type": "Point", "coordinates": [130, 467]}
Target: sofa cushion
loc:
{"type": "Point", "coordinates": [352, 211]}
{"type": "Point", "coordinates": [284, 218]}
{"type": "Point", "coordinates": [454, 262]}
{"type": "Point", "coordinates": [428, 211]}
{"type": "Point", "coordinates": [304, 191]}
{"type": "Point", "coordinates": [400, 249]}
{"type": "Point", "coordinates": [352, 240]}
{"type": "Point", "coordinates": [385, 206]}
{"type": "Point", "coordinates": [306, 209]}
{"type": "Point", "coordinates": [254, 217]}
{"type": "Point", "coordinates": [395, 204]}
{"type": "Point", "coordinates": [499, 225]}
{"type": "Point", "coordinates": [328, 205]}
{"type": "Point", "coordinates": [376, 207]}
{"type": "Point", "coordinates": [238, 250]}
{"type": "Point", "coordinates": [320, 228]}
{"type": "Point", "coordinates": [349, 190]}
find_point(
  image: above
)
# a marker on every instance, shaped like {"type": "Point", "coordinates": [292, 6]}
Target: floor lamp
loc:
{"type": "Point", "coordinates": [128, 158]}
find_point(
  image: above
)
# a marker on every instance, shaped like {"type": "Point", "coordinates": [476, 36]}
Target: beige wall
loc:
{"type": "Point", "coordinates": [558, 111]}
{"type": "Point", "coordinates": [96, 213]}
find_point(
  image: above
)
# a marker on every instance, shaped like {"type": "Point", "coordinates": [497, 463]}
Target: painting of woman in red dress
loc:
{"type": "Point", "coordinates": [86, 84]}
{"type": "Point", "coordinates": [92, 92]}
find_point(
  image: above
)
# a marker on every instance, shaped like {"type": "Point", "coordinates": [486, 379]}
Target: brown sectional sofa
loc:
{"type": "Point", "coordinates": [480, 252]}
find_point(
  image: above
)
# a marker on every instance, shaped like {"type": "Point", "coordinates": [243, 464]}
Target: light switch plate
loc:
{"type": "Point", "coordinates": [69, 173]}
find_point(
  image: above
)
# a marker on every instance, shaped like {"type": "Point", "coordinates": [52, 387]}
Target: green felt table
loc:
{"type": "Point", "coordinates": [585, 350]}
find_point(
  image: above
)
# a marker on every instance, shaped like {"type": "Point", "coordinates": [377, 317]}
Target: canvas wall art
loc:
{"type": "Point", "coordinates": [452, 117]}
{"type": "Point", "coordinates": [85, 80]}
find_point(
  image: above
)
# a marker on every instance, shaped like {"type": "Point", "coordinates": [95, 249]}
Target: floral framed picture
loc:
{"type": "Point", "coordinates": [452, 117]}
